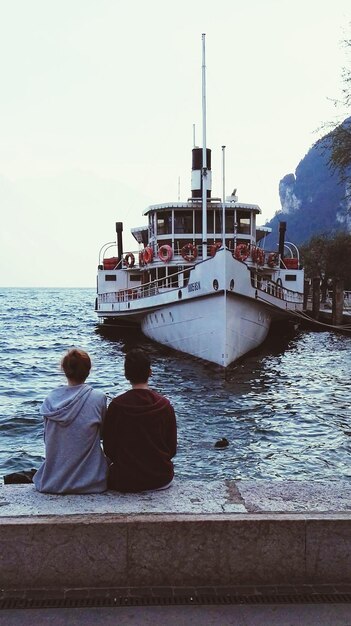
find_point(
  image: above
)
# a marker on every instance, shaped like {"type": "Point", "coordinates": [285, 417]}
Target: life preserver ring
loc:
{"type": "Point", "coordinates": [189, 252]}
{"type": "Point", "coordinates": [165, 253]}
{"type": "Point", "coordinates": [146, 256]}
{"type": "Point", "coordinates": [257, 255]}
{"type": "Point", "coordinates": [241, 252]}
{"type": "Point", "coordinates": [214, 248]}
{"type": "Point", "coordinates": [272, 259]}
{"type": "Point", "coordinates": [129, 259]}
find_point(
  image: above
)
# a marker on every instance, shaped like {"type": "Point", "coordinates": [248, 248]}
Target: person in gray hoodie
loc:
{"type": "Point", "coordinates": [73, 415]}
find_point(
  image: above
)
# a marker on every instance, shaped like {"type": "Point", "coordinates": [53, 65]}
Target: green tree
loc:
{"type": "Point", "coordinates": [328, 257]}
{"type": "Point", "coordinates": [338, 140]}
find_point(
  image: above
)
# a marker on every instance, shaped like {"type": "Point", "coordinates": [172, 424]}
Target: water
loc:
{"type": "Point", "coordinates": [285, 409]}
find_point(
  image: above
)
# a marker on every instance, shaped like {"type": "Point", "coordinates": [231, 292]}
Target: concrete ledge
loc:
{"type": "Point", "coordinates": [195, 534]}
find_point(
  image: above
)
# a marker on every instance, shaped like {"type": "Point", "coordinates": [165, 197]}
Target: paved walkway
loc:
{"type": "Point", "coordinates": [238, 498]}
{"type": "Point", "coordinates": [248, 615]}
{"type": "Point", "coordinates": [193, 497]}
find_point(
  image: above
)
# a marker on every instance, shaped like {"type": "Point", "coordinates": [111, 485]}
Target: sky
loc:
{"type": "Point", "coordinates": [98, 103]}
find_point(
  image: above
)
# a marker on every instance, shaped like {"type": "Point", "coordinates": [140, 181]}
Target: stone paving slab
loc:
{"type": "Point", "coordinates": [186, 497]}
{"type": "Point", "coordinates": [182, 497]}
{"type": "Point", "coordinates": [294, 496]}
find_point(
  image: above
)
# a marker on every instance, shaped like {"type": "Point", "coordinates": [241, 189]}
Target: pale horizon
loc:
{"type": "Point", "coordinates": [97, 108]}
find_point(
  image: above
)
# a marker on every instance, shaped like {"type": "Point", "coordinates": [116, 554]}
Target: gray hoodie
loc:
{"type": "Point", "coordinates": [74, 460]}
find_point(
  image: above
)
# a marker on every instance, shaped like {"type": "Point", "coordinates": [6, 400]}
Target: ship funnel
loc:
{"type": "Point", "coordinates": [196, 177]}
{"type": "Point", "coordinates": [119, 230]}
{"type": "Point", "coordinates": [282, 229]}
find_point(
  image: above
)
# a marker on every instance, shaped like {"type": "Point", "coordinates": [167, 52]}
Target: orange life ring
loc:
{"type": "Point", "coordinates": [146, 256]}
{"type": "Point", "coordinates": [273, 259]}
{"type": "Point", "coordinates": [129, 259]}
{"type": "Point", "coordinates": [189, 252]}
{"type": "Point", "coordinates": [257, 255]}
{"type": "Point", "coordinates": [165, 253]}
{"type": "Point", "coordinates": [241, 252]}
{"type": "Point", "coordinates": [214, 248]}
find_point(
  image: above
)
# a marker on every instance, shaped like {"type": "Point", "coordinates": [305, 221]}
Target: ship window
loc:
{"type": "Point", "coordinates": [229, 221]}
{"type": "Point", "coordinates": [164, 223]}
{"type": "Point", "coordinates": [183, 222]}
{"type": "Point", "coordinates": [243, 219]}
{"type": "Point", "coordinates": [210, 220]}
{"type": "Point", "coordinates": [110, 277]}
{"type": "Point", "coordinates": [134, 278]}
{"type": "Point", "coordinates": [161, 277]}
{"type": "Point", "coordinates": [290, 277]}
{"type": "Point", "coordinates": [198, 221]}
{"type": "Point", "coordinates": [173, 280]}
{"type": "Point", "coordinates": [218, 217]}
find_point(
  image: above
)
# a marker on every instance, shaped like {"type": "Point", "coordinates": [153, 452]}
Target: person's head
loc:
{"type": "Point", "coordinates": [137, 366]}
{"type": "Point", "coordinates": [76, 365]}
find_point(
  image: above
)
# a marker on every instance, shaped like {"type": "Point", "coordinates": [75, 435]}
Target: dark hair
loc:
{"type": "Point", "coordinates": [137, 366]}
{"type": "Point", "coordinates": [76, 364]}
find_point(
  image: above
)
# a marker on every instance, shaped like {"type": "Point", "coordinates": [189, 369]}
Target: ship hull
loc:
{"type": "Point", "coordinates": [219, 328]}
{"type": "Point", "coordinates": [219, 315]}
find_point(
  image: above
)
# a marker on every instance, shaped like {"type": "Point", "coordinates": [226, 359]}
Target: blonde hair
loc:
{"type": "Point", "coordinates": [76, 365]}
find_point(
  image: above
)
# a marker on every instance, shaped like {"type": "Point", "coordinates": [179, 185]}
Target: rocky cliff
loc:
{"type": "Point", "coordinates": [314, 200]}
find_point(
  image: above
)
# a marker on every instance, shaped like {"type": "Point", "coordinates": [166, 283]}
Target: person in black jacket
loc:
{"type": "Point", "coordinates": [139, 432]}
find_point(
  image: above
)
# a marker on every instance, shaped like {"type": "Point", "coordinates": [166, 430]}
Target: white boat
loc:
{"type": "Point", "coordinates": [200, 280]}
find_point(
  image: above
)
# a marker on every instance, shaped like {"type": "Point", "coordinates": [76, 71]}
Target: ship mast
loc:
{"type": "Point", "coordinates": [223, 197]}
{"type": "Point", "coordinates": [204, 155]}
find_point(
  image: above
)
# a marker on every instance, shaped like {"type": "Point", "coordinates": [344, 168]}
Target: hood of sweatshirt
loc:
{"type": "Point", "coordinates": [144, 402]}
{"type": "Point", "coordinates": [64, 403]}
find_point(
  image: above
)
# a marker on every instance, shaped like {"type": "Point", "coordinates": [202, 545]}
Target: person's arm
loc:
{"type": "Point", "coordinates": [172, 432]}
{"type": "Point", "coordinates": [108, 432]}
{"type": "Point", "coordinates": [103, 410]}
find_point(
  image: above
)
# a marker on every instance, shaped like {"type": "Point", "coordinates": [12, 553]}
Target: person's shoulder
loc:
{"type": "Point", "coordinates": [160, 398]}
{"type": "Point", "coordinates": [121, 397]}
{"type": "Point", "coordinates": [96, 394]}
{"type": "Point", "coordinates": [157, 394]}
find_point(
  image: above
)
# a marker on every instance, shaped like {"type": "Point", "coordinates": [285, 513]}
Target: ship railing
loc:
{"type": "Point", "coordinates": [152, 288]}
{"type": "Point", "coordinates": [278, 291]}
{"type": "Point", "coordinates": [328, 302]}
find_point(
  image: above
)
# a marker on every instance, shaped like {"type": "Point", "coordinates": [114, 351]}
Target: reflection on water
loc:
{"type": "Point", "coordinates": [284, 408]}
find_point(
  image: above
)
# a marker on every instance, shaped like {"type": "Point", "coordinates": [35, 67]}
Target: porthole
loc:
{"type": "Point", "coordinates": [215, 284]}
{"type": "Point", "coordinates": [179, 295]}
{"type": "Point", "coordinates": [231, 285]}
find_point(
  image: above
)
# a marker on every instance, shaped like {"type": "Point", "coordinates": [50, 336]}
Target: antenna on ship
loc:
{"type": "Point", "coordinates": [204, 154]}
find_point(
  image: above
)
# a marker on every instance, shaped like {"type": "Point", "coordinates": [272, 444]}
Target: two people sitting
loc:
{"type": "Point", "coordinates": [138, 431]}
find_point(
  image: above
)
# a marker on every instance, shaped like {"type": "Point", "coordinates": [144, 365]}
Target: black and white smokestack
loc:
{"type": "Point", "coordinates": [196, 177]}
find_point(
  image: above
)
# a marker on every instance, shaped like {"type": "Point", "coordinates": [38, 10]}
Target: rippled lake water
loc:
{"type": "Point", "coordinates": [284, 409]}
